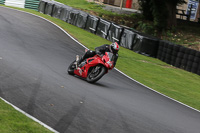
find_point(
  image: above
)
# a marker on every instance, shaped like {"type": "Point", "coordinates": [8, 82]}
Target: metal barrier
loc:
{"type": "Point", "coordinates": [32, 4]}
{"type": "Point", "coordinates": [2, 2]}
{"type": "Point", "coordinates": [15, 3]}
{"type": "Point", "coordinates": [103, 28]}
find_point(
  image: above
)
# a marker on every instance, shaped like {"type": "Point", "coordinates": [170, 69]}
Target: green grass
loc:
{"type": "Point", "coordinates": [84, 5]}
{"type": "Point", "coordinates": [12, 121]}
{"type": "Point", "coordinates": [173, 82]}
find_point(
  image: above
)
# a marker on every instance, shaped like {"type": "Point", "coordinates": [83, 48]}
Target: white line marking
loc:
{"type": "Point", "coordinates": [33, 118]}
{"type": "Point", "coordinates": [86, 48]}
{"type": "Point", "coordinates": [156, 91]}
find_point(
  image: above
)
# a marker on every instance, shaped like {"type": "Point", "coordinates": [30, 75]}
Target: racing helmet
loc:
{"type": "Point", "coordinates": [114, 47]}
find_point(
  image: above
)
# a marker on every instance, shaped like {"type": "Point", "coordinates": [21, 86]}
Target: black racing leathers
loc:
{"type": "Point", "coordinates": [100, 51]}
{"type": "Point", "coordinates": [106, 48]}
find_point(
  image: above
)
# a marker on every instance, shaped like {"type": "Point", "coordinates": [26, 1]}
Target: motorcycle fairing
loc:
{"type": "Point", "coordinates": [91, 62]}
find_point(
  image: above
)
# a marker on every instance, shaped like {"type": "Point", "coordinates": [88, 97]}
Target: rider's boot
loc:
{"type": "Point", "coordinates": [78, 61]}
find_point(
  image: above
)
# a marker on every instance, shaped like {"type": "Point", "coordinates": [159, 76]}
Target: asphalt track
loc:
{"type": "Point", "coordinates": [34, 56]}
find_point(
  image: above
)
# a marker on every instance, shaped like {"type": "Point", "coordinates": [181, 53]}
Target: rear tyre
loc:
{"type": "Point", "coordinates": [96, 73]}
{"type": "Point", "coordinates": [71, 68]}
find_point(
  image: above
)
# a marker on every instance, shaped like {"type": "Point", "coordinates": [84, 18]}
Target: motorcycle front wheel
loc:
{"type": "Point", "coordinates": [71, 68]}
{"type": "Point", "coordinates": [96, 73]}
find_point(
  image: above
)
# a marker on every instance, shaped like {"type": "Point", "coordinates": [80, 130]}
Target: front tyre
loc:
{"type": "Point", "coordinates": [71, 68]}
{"type": "Point", "coordinates": [96, 73]}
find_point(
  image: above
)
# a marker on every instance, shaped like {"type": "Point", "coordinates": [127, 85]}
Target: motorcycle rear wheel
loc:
{"type": "Point", "coordinates": [71, 68]}
{"type": "Point", "coordinates": [96, 73]}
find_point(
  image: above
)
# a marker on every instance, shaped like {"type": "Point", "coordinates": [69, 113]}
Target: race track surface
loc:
{"type": "Point", "coordinates": [34, 56]}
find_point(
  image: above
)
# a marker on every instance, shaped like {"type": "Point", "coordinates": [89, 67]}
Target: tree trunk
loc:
{"type": "Point", "coordinates": [171, 21]}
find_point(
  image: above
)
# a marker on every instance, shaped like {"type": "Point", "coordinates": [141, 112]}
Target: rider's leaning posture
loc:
{"type": "Point", "coordinates": [113, 48]}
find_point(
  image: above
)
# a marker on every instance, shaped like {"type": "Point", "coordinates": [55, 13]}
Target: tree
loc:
{"type": "Point", "coordinates": [171, 9]}
{"type": "Point", "coordinates": [146, 10]}
{"type": "Point", "coordinates": [162, 12]}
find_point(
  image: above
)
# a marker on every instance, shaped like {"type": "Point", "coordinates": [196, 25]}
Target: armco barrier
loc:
{"type": "Point", "coordinates": [114, 34]}
{"type": "Point", "coordinates": [57, 10]}
{"type": "Point", "coordinates": [91, 24]}
{"type": "Point", "coordinates": [185, 59]}
{"type": "Point", "coordinates": [160, 49]}
{"type": "Point", "coordinates": [127, 39]}
{"type": "Point", "coordinates": [64, 13]}
{"type": "Point", "coordinates": [103, 28]}
{"type": "Point", "coordinates": [146, 45]}
{"type": "Point", "coordinates": [198, 71]}
{"type": "Point", "coordinates": [196, 62]}
{"type": "Point", "coordinates": [42, 6]}
{"type": "Point", "coordinates": [2, 2]}
{"type": "Point", "coordinates": [81, 20]}
{"type": "Point", "coordinates": [49, 8]}
{"type": "Point", "coordinates": [32, 4]}
{"type": "Point", "coordinates": [73, 16]}
{"type": "Point", "coordinates": [164, 51]}
{"type": "Point", "coordinates": [168, 56]}
{"type": "Point", "coordinates": [190, 60]}
{"type": "Point", "coordinates": [175, 51]}
{"type": "Point", "coordinates": [180, 57]}
{"type": "Point", "coordinates": [15, 3]}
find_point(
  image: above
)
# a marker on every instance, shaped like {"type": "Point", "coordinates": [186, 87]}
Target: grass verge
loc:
{"type": "Point", "coordinates": [88, 6]}
{"type": "Point", "coordinates": [12, 121]}
{"type": "Point", "coordinates": [173, 82]}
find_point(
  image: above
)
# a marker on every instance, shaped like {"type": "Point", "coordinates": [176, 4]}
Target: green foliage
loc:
{"type": "Point", "coordinates": [145, 8]}
{"type": "Point", "coordinates": [158, 11]}
{"type": "Point", "coordinates": [146, 27]}
{"type": "Point", "coordinates": [160, 14]}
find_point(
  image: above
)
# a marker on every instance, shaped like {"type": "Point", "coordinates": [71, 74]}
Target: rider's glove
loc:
{"type": "Point", "coordinates": [100, 54]}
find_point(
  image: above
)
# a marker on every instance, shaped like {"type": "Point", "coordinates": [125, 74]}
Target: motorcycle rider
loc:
{"type": "Point", "coordinates": [113, 48]}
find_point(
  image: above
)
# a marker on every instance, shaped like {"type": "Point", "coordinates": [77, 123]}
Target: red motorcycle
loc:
{"type": "Point", "coordinates": [93, 68]}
